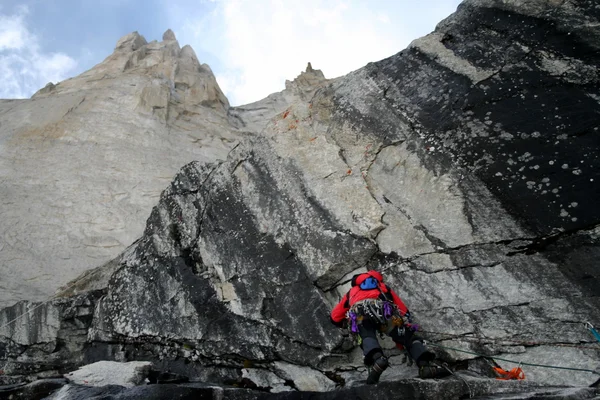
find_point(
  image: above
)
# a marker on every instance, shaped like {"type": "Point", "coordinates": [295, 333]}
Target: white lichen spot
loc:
{"type": "Point", "coordinates": [574, 219]}
{"type": "Point", "coordinates": [551, 162]}
{"type": "Point", "coordinates": [565, 166]}
{"type": "Point", "coordinates": [554, 191]}
{"type": "Point", "coordinates": [574, 204]}
{"type": "Point", "coordinates": [498, 173]}
{"type": "Point", "coordinates": [576, 172]}
{"type": "Point", "coordinates": [564, 213]}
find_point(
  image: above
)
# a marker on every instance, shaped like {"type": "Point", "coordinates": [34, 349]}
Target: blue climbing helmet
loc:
{"type": "Point", "coordinates": [369, 283]}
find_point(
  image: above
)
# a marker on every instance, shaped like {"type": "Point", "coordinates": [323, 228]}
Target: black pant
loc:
{"type": "Point", "coordinates": [406, 337]}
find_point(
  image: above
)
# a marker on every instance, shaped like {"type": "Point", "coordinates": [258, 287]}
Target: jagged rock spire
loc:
{"type": "Point", "coordinates": [131, 42]}
{"type": "Point", "coordinates": [307, 81]}
{"type": "Point", "coordinates": [169, 35]}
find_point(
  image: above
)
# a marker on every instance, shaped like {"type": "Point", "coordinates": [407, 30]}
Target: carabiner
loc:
{"type": "Point", "coordinates": [588, 325]}
{"type": "Point", "coordinates": [593, 330]}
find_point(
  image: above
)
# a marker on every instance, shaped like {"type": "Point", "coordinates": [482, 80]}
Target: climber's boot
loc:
{"type": "Point", "coordinates": [377, 369]}
{"type": "Point", "coordinates": [429, 370]}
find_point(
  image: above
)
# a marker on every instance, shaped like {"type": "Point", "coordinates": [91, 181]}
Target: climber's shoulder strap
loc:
{"type": "Point", "coordinates": [385, 294]}
{"type": "Point", "coordinates": [347, 300]}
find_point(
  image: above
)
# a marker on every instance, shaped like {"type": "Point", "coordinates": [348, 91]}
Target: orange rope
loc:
{"type": "Point", "coordinates": [515, 373]}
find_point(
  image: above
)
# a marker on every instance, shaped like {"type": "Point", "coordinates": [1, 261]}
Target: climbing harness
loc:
{"type": "Point", "coordinates": [593, 330]}
{"type": "Point", "coordinates": [381, 312]}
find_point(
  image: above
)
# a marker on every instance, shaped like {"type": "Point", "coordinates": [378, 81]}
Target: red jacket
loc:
{"type": "Point", "coordinates": [356, 294]}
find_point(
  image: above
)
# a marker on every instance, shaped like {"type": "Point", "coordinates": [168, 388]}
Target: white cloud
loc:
{"type": "Point", "coordinates": [261, 43]}
{"type": "Point", "coordinates": [13, 34]}
{"type": "Point", "coordinates": [267, 47]}
{"type": "Point", "coordinates": [25, 67]}
{"type": "Point", "coordinates": [253, 46]}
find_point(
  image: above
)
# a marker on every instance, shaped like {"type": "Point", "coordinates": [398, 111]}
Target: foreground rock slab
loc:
{"type": "Point", "coordinates": [33, 391]}
{"type": "Point", "coordinates": [427, 390]}
{"type": "Point", "coordinates": [104, 373]}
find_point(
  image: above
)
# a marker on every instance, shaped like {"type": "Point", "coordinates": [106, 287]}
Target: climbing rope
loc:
{"type": "Point", "coordinates": [447, 336]}
{"type": "Point", "coordinates": [513, 361]}
{"type": "Point", "coordinates": [443, 365]}
{"type": "Point", "coordinates": [27, 312]}
{"type": "Point", "coordinates": [43, 303]}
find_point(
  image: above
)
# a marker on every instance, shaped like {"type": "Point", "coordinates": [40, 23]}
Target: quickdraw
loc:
{"type": "Point", "coordinates": [413, 327]}
{"type": "Point", "coordinates": [387, 310]}
{"type": "Point", "coordinates": [353, 317]}
{"type": "Point", "coordinates": [593, 330]}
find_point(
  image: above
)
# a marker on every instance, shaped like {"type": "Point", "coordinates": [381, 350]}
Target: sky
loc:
{"type": "Point", "coordinates": [252, 46]}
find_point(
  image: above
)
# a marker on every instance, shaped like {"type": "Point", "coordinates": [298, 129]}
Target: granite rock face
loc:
{"type": "Point", "coordinates": [465, 168]}
{"type": "Point", "coordinates": [82, 162]}
{"type": "Point", "coordinates": [254, 116]}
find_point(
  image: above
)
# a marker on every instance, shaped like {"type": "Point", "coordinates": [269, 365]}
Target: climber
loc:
{"type": "Point", "coordinates": [370, 307]}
